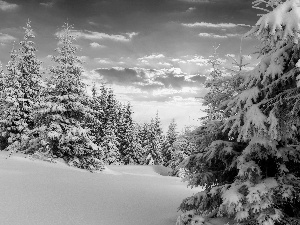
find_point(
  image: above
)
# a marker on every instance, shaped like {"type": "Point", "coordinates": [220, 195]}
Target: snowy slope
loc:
{"type": "Point", "coordinates": [42, 193]}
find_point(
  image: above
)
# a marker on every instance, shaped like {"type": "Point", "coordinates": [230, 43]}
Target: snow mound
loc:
{"type": "Point", "coordinates": [162, 170]}
{"type": "Point", "coordinates": [38, 192]}
{"type": "Point", "coordinates": [138, 170]}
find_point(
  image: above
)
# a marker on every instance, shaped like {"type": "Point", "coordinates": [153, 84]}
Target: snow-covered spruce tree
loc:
{"type": "Point", "coordinates": [96, 129]}
{"type": "Point", "coordinates": [184, 146]}
{"type": "Point", "coordinates": [200, 167]}
{"type": "Point", "coordinates": [133, 153]}
{"type": "Point", "coordinates": [64, 113]}
{"type": "Point", "coordinates": [221, 86]}
{"type": "Point", "coordinates": [3, 141]}
{"type": "Point", "coordinates": [264, 121]}
{"type": "Point", "coordinates": [110, 143]}
{"type": "Point", "coordinates": [167, 146]}
{"type": "Point", "coordinates": [143, 131]}
{"type": "Point", "coordinates": [104, 132]}
{"type": "Point", "coordinates": [130, 147]}
{"type": "Point", "coordinates": [21, 88]}
{"type": "Point", "coordinates": [154, 142]}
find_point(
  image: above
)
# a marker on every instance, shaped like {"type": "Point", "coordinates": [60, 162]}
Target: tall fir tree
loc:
{"type": "Point", "coordinates": [168, 144]}
{"type": "Point", "coordinates": [154, 142]}
{"type": "Point", "coordinates": [262, 155]}
{"type": "Point", "coordinates": [111, 108]}
{"type": "Point", "coordinates": [64, 113]}
{"type": "Point", "coordinates": [21, 89]}
{"type": "Point", "coordinates": [184, 146]}
{"type": "Point", "coordinates": [110, 145]}
{"type": "Point", "coordinates": [130, 146]}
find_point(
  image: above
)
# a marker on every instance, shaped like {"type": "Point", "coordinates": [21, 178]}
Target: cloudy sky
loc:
{"type": "Point", "coordinates": [153, 53]}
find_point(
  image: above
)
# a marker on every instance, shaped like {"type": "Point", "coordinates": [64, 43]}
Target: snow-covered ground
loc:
{"type": "Point", "coordinates": [42, 193]}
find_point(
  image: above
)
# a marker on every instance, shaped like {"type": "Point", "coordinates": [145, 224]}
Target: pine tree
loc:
{"type": "Point", "coordinates": [154, 141]}
{"type": "Point", "coordinates": [21, 88]}
{"type": "Point", "coordinates": [3, 141]}
{"type": "Point", "coordinates": [168, 148]}
{"type": "Point", "coordinates": [130, 146]}
{"type": "Point", "coordinates": [111, 117]}
{"type": "Point", "coordinates": [221, 87]}
{"type": "Point", "coordinates": [110, 145]}
{"type": "Point", "coordinates": [133, 152]}
{"type": "Point", "coordinates": [64, 113]}
{"type": "Point", "coordinates": [184, 146]}
{"type": "Point", "coordinates": [96, 129]}
{"type": "Point", "coordinates": [143, 133]}
{"type": "Point", "coordinates": [262, 155]}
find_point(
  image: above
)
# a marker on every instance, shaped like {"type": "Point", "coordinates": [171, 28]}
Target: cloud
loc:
{"type": "Point", "coordinates": [196, 1]}
{"type": "Point", "coordinates": [120, 76]}
{"type": "Point", "coordinates": [6, 38]}
{"type": "Point", "coordinates": [199, 60]}
{"type": "Point", "coordinates": [92, 23]}
{"type": "Point", "coordinates": [198, 78]}
{"type": "Point", "coordinates": [102, 61]}
{"type": "Point", "coordinates": [96, 45]}
{"type": "Point", "coordinates": [234, 35]}
{"type": "Point", "coordinates": [210, 25]}
{"type": "Point", "coordinates": [132, 34]}
{"type": "Point", "coordinates": [148, 79]}
{"type": "Point", "coordinates": [153, 56]}
{"type": "Point", "coordinates": [83, 58]}
{"type": "Point", "coordinates": [164, 64]}
{"type": "Point", "coordinates": [211, 35]}
{"type": "Point", "coordinates": [5, 6]}
{"type": "Point", "coordinates": [191, 9]}
{"type": "Point", "coordinates": [141, 84]}
{"type": "Point", "coordinates": [92, 35]}
{"type": "Point", "coordinates": [47, 4]}
{"type": "Point", "coordinates": [230, 55]}
{"type": "Point", "coordinates": [247, 57]}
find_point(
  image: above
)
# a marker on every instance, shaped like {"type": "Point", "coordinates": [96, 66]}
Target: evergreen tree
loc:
{"type": "Point", "coordinates": [184, 146]}
{"type": "Point", "coordinates": [262, 154]}
{"type": "Point", "coordinates": [64, 113]}
{"type": "Point", "coordinates": [21, 88]}
{"type": "Point", "coordinates": [130, 146]}
{"type": "Point", "coordinates": [143, 133]}
{"type": "Point", "coordinates": [168, 148]}
{"type": "Point", "coordinates": [221, 87]}
{"type": "Point", "coordinates": [96, 129]}
{"type": "Point", "coordinates": [133, 153]}
{"type": "Point", "coordinates": [110, 145]}
{"type": "Point", "coordinates": [111, 117]}
{"type": "Point", "coordinates": [154, 142]}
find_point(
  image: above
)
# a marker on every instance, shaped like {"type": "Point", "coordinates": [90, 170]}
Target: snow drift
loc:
{"type": "Point", "coordinates": [36, 192]}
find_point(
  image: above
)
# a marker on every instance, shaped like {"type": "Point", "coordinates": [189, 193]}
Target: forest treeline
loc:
{"type": "Point", "coordinates": [56, 118]}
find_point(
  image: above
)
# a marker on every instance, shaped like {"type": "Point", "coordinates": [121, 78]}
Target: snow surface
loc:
{"type": "Point", "coordinates": [34, 192]}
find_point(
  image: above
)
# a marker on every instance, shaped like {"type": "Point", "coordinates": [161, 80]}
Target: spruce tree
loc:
{"type": "Point", "coordinates": [130, 147]}
{"type": "Point", "coordinates": [154, 141]}
{"type": "Point", "coordinates": [143, 131]}
{"type": "Point", "coordinates": [21, 89]}
{"type": "Point", "coordinates": [110, 143]}
{"type": "Point", "coordinates": [184, 146]}
{"type": "Point", "coordinates": [168, 148]}
{"type": "Point", "coordinates": [133, 152]}
{"type": "Point", "coordinates": [262, 154]}
{"type": "Point", "coordinates": [64, 113]}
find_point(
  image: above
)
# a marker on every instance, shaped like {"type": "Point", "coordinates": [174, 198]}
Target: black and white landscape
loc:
{"type": "Point", "coordinates": [158, 112]}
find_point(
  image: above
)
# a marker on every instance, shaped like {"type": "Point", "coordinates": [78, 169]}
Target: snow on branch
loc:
{"type": "Point", "coordinates": [282, 23]}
